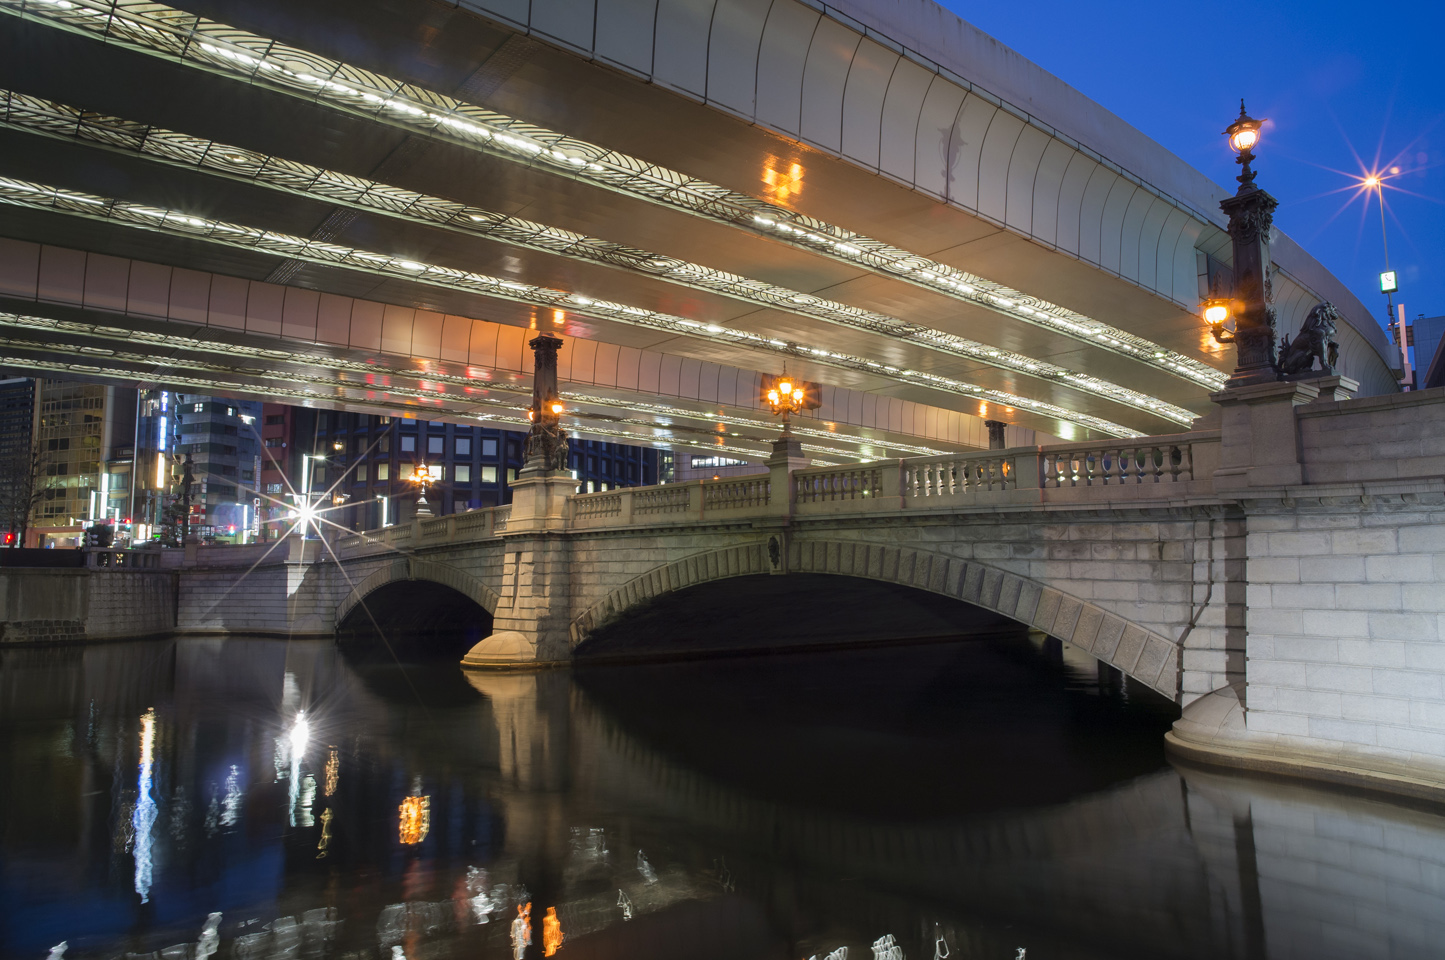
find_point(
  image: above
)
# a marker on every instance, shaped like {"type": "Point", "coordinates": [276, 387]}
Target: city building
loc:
{"type": "Point", "coordinates": [1426, 335]}
{"type": "Point", "coordinates": [85, 436]}
{"type": "Point", "coordinates": [365, 464]}
{"type": "Point", "coordinates": [17, 457]}
{"type": "Point", "coordinates": [223, 439]}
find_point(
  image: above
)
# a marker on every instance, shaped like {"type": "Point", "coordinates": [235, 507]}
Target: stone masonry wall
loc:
{"type": "Point", "coordinates": [38, 605]}
{"type": "Point", "coordinates": [1345, 612]}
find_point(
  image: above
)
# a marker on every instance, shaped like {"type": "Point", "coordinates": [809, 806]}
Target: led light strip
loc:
{"type": "Point", "coordinates": [520, 396]}
{"type": "Point", "coordinates": [44, 197]}
{"type": "Point", "coordinates": [195, 41]}
{"type": "Point", "coordinates": [734, 420]}
{"type": "Point", "coordinates": [49, 118]}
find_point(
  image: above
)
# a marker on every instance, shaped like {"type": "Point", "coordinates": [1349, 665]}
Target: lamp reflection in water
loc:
{"type": "Point", "coordinates": [325, 840]}
{"type": "Point", "coordinates": [886, 948]}
{"type": "Point", "coordinates": [522, 931]}
{"type": "Point", "coordinates": [625, 902]}
{"type": "Point", "coordinates": [415, 819]}
{"type": "Point", "coordinates": [551, 933]}
{"type": "Point", "coordinates": [333, 771]}
{"type": "Point", "coordinates": [231, 804]}
{"type": "Point", "coordinates": [300, 794]}
{"type": "Point", "coordinates": [144, 817]}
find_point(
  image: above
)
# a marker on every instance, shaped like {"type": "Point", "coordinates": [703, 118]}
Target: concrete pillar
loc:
{"type": "Point", "coordinates": [534, 606]}
{"type": "Point", "coordinates": [529, 626]}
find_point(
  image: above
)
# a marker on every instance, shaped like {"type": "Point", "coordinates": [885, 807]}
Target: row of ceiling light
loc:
{"type": "Point", "coordinates": [36, 115]}
{"type": "Point", "coordinates": [77, 203]}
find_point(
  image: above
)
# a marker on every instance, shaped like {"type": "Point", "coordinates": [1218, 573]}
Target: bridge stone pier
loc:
{"type": "Point", "coordinates": [1275, 571]}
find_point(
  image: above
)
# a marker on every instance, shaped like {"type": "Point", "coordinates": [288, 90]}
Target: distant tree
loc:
{"type": "Point", "coordinates": [22, 486]}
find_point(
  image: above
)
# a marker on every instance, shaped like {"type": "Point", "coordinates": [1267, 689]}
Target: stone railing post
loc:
{"type": "Point", "coordinates": [1028, 470]}
{"type": "Point", "coordinates": [787, 457]}
{"type": "Point", "coordinates": [890, 487]}
{"type": "Point", "coordinates": [625, 517]}
{"type": "Point", "coordinates": [1259, 435]}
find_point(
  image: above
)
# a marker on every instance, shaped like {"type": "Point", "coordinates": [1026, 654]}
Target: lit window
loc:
{"type": "Point", "coordinates": [383, 471]}
{"type": "Point", "coordinates": [361, 473]}
{"type": "Point", "coordinates": [408, 470]}
{"type": "Point", "coordinates": [462, 473]}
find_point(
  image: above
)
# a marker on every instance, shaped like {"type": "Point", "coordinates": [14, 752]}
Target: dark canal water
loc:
{"type": "Point", "coordinates": [975, 799]}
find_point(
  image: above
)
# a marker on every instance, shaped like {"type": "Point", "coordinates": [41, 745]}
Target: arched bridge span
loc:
{"type": "Point", "coordinates": [1144, 654]}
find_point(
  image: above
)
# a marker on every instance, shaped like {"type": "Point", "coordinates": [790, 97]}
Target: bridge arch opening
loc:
{"type": "Point", "coordinates": [760, 613]}
{"type": "Point", "coordinates": [413, 620]}
{"type": "Point", "coordinates": [861, 679]}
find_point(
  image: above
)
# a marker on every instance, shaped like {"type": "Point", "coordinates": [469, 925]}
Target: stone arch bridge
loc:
{"type": "Point", "coordinates": [1065, 556]}
{"type": "Point", "coordinates": [1273, 572]}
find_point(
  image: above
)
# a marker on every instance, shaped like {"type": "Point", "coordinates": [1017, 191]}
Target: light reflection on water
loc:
{"type": "Point", "coordinates": [963, 800]}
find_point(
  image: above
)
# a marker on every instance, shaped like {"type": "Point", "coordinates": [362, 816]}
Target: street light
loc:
{"type": "Point", "coordinates": [786, 398]}
{"type": "Point", "coordinates": [1251, 215]}
{"type": "Point", "coordinates": [1216, 314]}
{"type": "Point", "coordinates": [1389, 281]}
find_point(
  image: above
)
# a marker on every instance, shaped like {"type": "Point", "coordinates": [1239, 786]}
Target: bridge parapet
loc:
{"type": "Point", "coordinates": [1105, 474]}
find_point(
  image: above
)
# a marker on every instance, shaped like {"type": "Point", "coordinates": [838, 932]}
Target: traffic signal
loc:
{"type": "Point", "coordinates": [9, 538]}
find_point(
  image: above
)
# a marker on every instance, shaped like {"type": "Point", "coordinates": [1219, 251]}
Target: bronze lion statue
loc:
{"type": "Point", "coordinates": [1315, 341]}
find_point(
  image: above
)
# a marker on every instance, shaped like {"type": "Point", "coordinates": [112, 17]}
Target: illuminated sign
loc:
{"type": "Point", "coordinates": [1388, 283]}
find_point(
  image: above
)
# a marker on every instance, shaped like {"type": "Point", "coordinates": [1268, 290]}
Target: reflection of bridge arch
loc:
{"type": "Point", "coordinates": [412, 568]}
{"type": "Point", "coordinates": [1145, 655]}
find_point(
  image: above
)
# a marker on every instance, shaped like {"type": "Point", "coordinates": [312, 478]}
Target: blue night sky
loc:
{"type": "Point", "coordinates": [1347, 86]}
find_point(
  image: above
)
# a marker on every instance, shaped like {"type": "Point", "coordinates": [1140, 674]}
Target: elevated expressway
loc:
{"type": "Point", "coordinates": [370, 205]}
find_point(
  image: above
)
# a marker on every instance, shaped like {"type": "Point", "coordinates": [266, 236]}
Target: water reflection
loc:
{"type": "Point", "coordinates": [948, 801]}
{"type": "Point", "coordinates": [144, 817]}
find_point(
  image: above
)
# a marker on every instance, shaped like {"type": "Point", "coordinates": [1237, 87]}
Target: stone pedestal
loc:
{"type": "Point", "coordinates": [1259, 436]}
{"type": "Point", "coordinates": [787, 456]}
{"type": "Point", "coordinates": [1334, 388]}
{"type": "Point", "coordinates": [539, 499]}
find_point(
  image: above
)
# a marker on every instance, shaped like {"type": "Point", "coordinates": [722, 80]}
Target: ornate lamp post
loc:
{"type": "Point", "coordinates": [1251, 214]}
{"type": "Point", "coordinates": [786, 396]}
{"type": "Point", "coordinates": [546, 449]}
{"type": "Point", "coordinates": [423, 477]}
